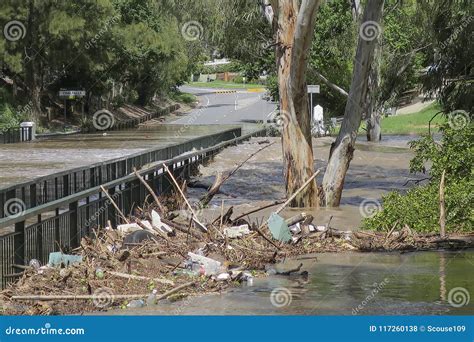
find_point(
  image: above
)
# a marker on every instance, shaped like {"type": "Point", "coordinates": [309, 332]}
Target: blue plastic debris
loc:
{"type": "Point", "coordinates": [279, 228]}
{"type": "Point", "coordinates": [58, 258]}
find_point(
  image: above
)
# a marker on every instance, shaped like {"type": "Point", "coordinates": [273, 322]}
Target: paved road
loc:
{"type": "Point", "coordinates": [24, 161]}
{"type": "Point", "coordinates": [239, 107]}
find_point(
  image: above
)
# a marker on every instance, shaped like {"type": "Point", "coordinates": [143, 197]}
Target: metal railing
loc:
{"type": "Point", "coordinates": [61, 224]}
{"type": "Point", "coordinates": [48, 188]}
{"type": "Point", "coordinates": [16, 135]}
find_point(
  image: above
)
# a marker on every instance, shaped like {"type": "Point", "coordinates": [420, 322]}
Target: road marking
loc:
{"type": "Point", "coordinates": [225, 91]}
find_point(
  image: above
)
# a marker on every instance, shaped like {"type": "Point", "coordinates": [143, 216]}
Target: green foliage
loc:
{"type": "Point", "coordinates": [183, 97]}
{"type": "Point", "coordinates": [413, 123]}
{"type": "Point", "coordinates": [209, 69]}
{"type": "Point", "coordinates": [332, 53]}
{"type": "Point", "coordinates": [238, 80]}
{"type": "Point", "coordinates": [95, 45]}
{"type": "Point", "coordinates": [419, 207]}
{"type": "Point", "coordinates": [272, 85]}
{"type": "Point", "coordinates": [8, 118]}
{"type": "Point", "coordinates": [450, 25]}
{"type": "Point", "coordinates": [402, 51]}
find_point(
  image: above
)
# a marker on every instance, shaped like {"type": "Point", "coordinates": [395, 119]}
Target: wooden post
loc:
{"type": "Point", "coordinates": [442, 207]}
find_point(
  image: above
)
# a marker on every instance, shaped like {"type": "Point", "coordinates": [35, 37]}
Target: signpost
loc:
{"type": "Point", "coordinates": [312, 89]}
{"type": "Point", "coordinates": [71, 95]}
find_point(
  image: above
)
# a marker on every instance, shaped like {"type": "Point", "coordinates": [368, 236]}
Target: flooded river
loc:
{"type": "Point", "coordinates": [24, 161]}
{"type": "Point", "coordinates": [423, 283]}
{"type": "Point", "coordinates": [375, 170]}
{"type": "Point", "coordinates": [429, 283]}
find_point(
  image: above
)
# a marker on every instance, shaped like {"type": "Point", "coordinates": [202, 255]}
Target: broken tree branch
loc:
{"type": "Point", "coordinates": [220, 179]}
{"type": "Point", "coordinates": [114, 204]}
{"type": "Point", "coordinates": [150, 190]}
{"type": "Point", "coordinates": [199, 224]}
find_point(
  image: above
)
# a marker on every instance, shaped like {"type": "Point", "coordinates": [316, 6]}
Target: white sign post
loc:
{"type": "Point", "coordinates": [312, 89]}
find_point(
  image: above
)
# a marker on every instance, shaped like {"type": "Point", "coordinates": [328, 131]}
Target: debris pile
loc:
{"type": "Point", "coordinates": [159, 254]}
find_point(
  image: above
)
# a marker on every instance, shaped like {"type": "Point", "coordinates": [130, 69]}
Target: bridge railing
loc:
{"type": "Point", "coordinates": [15, 135]}
{"type": "Point", "coordinates": [61, 224]}
{"type": "Point", "coordinates": [45, 189]}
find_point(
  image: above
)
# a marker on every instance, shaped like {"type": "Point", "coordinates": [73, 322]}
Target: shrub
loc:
{"type": "Point", "coordinates": [419, 206]}
{"type": "Point", "coordinates": [8, 117]}
{"type": "Point", "coordinates": [238, 79]}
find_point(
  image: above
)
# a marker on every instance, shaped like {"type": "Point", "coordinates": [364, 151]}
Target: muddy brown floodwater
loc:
{"type": "Point", "coordinates": [25, 161]}
{"type": "Point", "coordinates": [375, 170]}
{"type": "Point", "coordinates": [429, 283]}
{"type": "Point", "coordinates": [422, 283]}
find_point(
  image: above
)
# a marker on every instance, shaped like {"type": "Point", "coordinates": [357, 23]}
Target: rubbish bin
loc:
{"type": "Point", "coordinates": [27, 131]}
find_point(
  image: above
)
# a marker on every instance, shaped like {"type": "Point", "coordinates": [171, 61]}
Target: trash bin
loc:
{"type": "Point", "coordinates": [27, 131]}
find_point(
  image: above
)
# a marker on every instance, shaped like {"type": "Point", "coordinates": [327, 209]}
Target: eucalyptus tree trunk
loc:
{"type": "Point", "coordinates": [294, 26]}
{"type": "Point", "coordinates": [374, 106]}
{"type": "Point", "coordinates": [342, 149]}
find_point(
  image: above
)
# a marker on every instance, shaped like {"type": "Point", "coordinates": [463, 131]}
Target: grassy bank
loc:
{"type": "Point", "coordinates": [225, 85]}
{"type": "Point", "coordinates": [182, 97]}
{"type": "Point", "coordinates": [415, 123]}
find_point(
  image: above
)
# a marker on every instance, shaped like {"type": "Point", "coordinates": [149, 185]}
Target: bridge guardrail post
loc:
{"type": "Point", "coordinates": [19, 243]}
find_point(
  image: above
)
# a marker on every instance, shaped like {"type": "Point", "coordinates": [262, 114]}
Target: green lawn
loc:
{"type": "Point", "coordinates": [415, 123]}
{"type": "Point", "coordinates": [225, 85]}
{"type": "Point", "coordinates": [184, 97]}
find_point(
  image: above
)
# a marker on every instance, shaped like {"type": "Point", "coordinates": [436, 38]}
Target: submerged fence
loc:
{"type": "Point", "coordinates": [61, 223]}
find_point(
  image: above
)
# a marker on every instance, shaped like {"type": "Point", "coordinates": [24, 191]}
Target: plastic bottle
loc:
{"type": "Point", "coordinates": [136, 303]}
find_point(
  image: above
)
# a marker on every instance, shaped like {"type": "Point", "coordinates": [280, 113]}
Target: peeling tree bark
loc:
{"type": "Point", "coordinates": [343, 148]}
{"type": "Point", "coordinates": [374, 103]}
{"type": "Point", "coordinates": [294, 32]}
